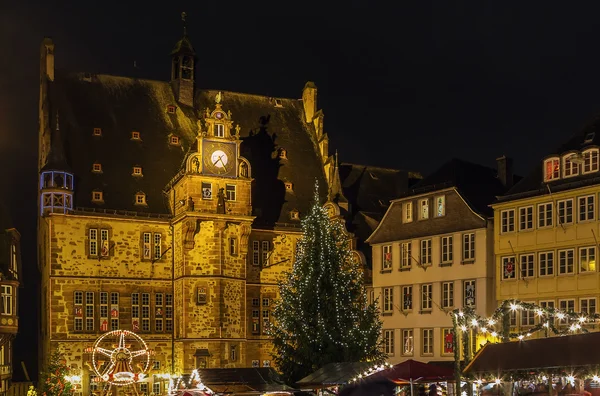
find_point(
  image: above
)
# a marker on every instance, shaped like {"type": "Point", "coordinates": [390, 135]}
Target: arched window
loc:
{"type": "Point", "coordinates": [571, 165]}
{"type": "Point", "coordinates": [590, 161]}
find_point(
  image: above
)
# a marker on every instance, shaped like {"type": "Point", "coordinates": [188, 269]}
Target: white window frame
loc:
{"type": "Point", "coordinates": [219, 130]}
{"type": "Point", "coordinates": [589, 253]}
{"type": "Point", "coordinates": [137, 171]}
{"type": "Point", "coordinates": [425, 251]}
{"type": "Point", "coordinates": [140, 199]}
{"type": "Point", "coordinates": [388, 299]}
{"type": "Point", "coordinates": [231, 192]}
{"type": "Point", "coordinates": [386, 258]}
{"type": "Point", "coordinates": [564, 305]}
{"type": "Point", "coordinates": [583, 204]}
{"type": "Point", "coordinates": [104, 313]}
{"type": "Point", "coordinates": [426, 297]}
{"type": "Point", "coordinates": [114, 311]}
{"type": "Point", "coordinates": [468, 246]}
{"type": "Point", "coordinates": [591, 158]}
{"type": "Point", "coordinates": [507, 221]}
{"type": "Point", "coordinates": [265, 249]}
{"type": "Point", "coordinates": [405, 255]}
{"type": "Point", "coordinates": [78, 304]}
{"type": "Point", "coordinates": [147, 245]}
{"type": "Point", "coordinates": [208, 187]}
{"type": "Point", "coordinates": [440, 206]}
{"type": "Point", "coordinates": [406, 291]}
{"type": "Point", "coordinates": [447, 294]}
{"type": "Point", "coordinates": [90, 308]}
{"type": "Point", "coordinates": [565, 261]}
{"type": "Point", "coordinates": [546, 262]}
{"type": "Point", "coordinates": [447, 249]}
{"type": "Point", "coordinates": [7, 299]}
{"type": "Point", "coordinates": [388, 342]}
{"type": "Point", "coordinates": [408, 212]}
{"type": "Point", "coordinates": [157, 245]}
{"type": "Point", "coordinates": [424, 209]}
{"type": "Point", "coordinates": [526, 218]}
{"type": "Point", "coordinates": [545, 215]}
{"type": "Point", "coordinates": [585, 302]}
{"type": "Point", "coordinates": [528, 316]}
{"type": "Point", "coordinates": [505, 260]}
{"type": "Point", "coordinates": [570, 168]}
{"type": "Point", "coordinates": [408, 342]}
{"type": "Point", "coordinates": [466, 283]}
{"type": "Point", "coordinates": [564, 211]}
{"type": "Point", "coordinates": [527, 265]}
{"type": "Point", "coordinates": [427, 338]}
{"type": "Point", "coordinates": [256, 253]}
{"type": "Point", "coordinates": [555, 166]}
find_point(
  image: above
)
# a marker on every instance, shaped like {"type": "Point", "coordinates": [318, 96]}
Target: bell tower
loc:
{"type": "Point", "coordinates": [183, 63]}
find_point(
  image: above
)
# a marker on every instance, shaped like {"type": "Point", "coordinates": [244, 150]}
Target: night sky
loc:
{"type": "Point", "coordinates": [402, 84]}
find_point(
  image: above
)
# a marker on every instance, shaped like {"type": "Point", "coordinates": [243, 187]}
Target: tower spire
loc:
{"type": "Point", "coordinates": [183, 16]}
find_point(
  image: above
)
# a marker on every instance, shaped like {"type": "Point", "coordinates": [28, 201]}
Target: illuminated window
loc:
{"type": "Point", "coordinates": [96, 167]}
{"type": "Point", "coordinates": [135, 135]}
{"type": "Point", "coordinates": [507, 218]}
{"type": "Point", "coordinates": [289, 186]}
{"type": "Point", "coordinates": [174, 140]}
{"type": "Point", "coordinates": [407, 342]}
{"type": "Point", "coordinates": [7, 300]}
{"type": "Point", "coordinates": [171, 109]}
{"type": "Point", "coordinates": [440, 206]}
{"type": "Point", "coordinates": [114, 311]}
{"type": "Point", "coordinates": [294, 215]}
{"type": "Point", "coordinates": [283, 153]}
{"type": "Point", "coordinates": [587, 259]}
{"type": "Point", "coordinates": [551, 169]}
{"type": "Point", "coordinates": [423, 209]}
{"type": "Point", "coordinates": [158, 312]}
{"type": "Point", "coordinates": [137, 171]}
{"type": "Point", "coordinates": [405, 255]}
{"type": "Point", "coordinates": [97, 196]}
{"type": "Point", "coordinates": [89, 311]}
{"type": "Point", "coordinates": [447, 249]}
{"type": "Point", "coordinates": [97, 132]}
{"type": "Point", "coordinates": [78, 309]}
{"type": "Point", "coordinates": [469, 295]}
{"type": "Point", "coordinates": [427, 338]}
{"type": "Point", "coordinates": [140, 198]}
{"type": "Point", "coordinates": [233, 246]}
{"type": "Point", "coordinates": [266, 252]}
{"type": "Point", "coordinates": [508, 268]}
{"type": "Point", "coordinates": [386, 263]}
{"type": "Point", "coordinates": [206, 190]}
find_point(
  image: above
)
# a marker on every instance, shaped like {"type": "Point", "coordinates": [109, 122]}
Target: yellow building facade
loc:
{"type": "Point", "coordinates": [171, 212]}
{"type": "Point", "coordinates": [433, 253]}
{"type": "Point", "coordinates": [546, 235]}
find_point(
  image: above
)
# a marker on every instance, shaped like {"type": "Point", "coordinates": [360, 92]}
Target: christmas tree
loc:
{"type": "Point", "coordinates": [322, 315]}
{"type": "Point", "coordinates": [52, 381]}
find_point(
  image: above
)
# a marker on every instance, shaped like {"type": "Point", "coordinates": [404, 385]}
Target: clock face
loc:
{"type": "Point", "coordinates": [219, 158]}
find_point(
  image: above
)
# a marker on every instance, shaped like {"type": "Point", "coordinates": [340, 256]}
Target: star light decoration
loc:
{"type": "Point", "coordinates": [177, 383]}
{"type": "Point", "coordinates": [120, 365]}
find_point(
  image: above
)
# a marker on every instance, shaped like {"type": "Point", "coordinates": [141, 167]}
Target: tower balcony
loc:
{"type": "Point", "coordinates": [56, 192]}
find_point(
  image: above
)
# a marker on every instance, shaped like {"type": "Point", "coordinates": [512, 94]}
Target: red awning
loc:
{"type": "Point", "coordinates": [415, 371]}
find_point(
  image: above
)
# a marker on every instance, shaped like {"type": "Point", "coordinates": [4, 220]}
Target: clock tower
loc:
{"type": "Point", "coordinates": [211, 205]}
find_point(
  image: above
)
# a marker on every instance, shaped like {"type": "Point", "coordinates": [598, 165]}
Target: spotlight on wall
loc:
{"type": "Point", "coordinates": [182, 202]}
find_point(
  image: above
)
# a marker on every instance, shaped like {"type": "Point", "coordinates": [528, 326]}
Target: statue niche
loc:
{"type": "Point", "coordinates": [194, 164]}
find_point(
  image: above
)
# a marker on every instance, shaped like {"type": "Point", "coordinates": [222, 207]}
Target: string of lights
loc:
{"type": "Point", "coordinates": [323, 314]}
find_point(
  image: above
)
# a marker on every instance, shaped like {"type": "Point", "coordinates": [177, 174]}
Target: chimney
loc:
{"type": "Point", "coordinates": [309, 99]}
{"type": "Point", "coordinates": [505, 171]}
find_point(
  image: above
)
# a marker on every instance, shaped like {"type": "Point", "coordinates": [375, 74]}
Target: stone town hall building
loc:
{"type": "Point", "coordinates": [171, 211]}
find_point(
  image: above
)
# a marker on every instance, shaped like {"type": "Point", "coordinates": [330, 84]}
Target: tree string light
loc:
{"type": "Point", "coordinates": [323, 315]}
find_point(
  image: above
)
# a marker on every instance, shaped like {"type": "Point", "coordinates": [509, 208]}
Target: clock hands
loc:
{"type": "Point", "coordinates": [221, 159]}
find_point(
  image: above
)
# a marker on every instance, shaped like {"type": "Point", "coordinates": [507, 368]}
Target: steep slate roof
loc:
{"type": "Point", "coordinates": [479, 185]}
{"type": "Point", "coordinates": [533, 184]}
{"type": "Point", "coordinates": [120, 105]}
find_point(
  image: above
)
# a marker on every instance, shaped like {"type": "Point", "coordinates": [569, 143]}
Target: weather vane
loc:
{"type": "Point", "coordinates": [183, 16]}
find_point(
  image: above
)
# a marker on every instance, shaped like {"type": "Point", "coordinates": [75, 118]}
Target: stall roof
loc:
{"type": "Point", "coordinates": [566, 351]}
{"type": "Point", "coordinates": [243, 380]}
{"type": "Point", "coordinates": [334, 374]}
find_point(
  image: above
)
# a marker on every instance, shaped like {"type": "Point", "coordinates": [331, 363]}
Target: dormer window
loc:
{"type": "Point", "coordinates": [135, 135]}
{"type": "Point", "coordinates": [171, 109]}
{"type": "Point", "coordinates": [174, 140]}
{"type": "Point", "coordinates": [97, 167]}
{"type": "Point", "coordinates": [294, 215]}
{"type": "Point", "coordinates": [219, 130]}
{"type": "Point", "coordinates": [137, 171]}
{"type": "Point", "coordinates": [551, 169]}
{"type": "Point", "coordinates": [289, 186]}
{"type": "Point", "coordinates": [283, 153]}
{"type": "Point", "coordinates": [571, 166]}
{"type": "Point", "coordinates": [589, 137]}
{"type": "Point", "coordinates": [590, 161]}
{"type": "Point", "coordinates": [423, 209]}
{"type": "Point", "coordinates": [97, 196]}
{"type": "Point", "coordinates": [97, 132]}
{"type": "Point", "coordinates": [278, 103]}
{"type": "Point", "coordinates": [140, 198]}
